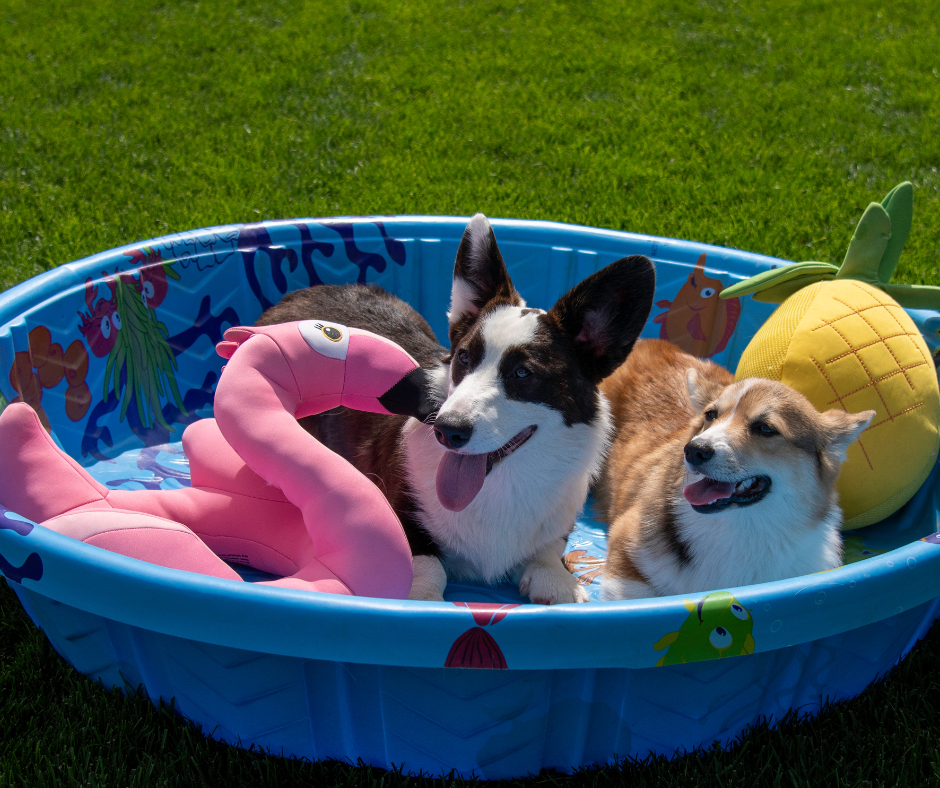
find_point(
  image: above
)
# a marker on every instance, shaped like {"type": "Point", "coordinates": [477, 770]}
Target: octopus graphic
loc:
{"type": "Point", "coordinates": [697, 320]}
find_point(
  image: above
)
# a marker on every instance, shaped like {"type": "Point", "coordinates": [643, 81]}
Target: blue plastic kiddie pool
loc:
{"type": "Point", "coordinates": [481, 684]}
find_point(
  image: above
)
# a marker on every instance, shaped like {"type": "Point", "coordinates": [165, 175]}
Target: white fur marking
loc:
{"type": "Point", "coordinates": [746, 385]}
{"type": "Point", "coordinates": [530, 499]}
{"type": "Point", "coordinates": [461, 300]}
{"type": "Point", "coordinates": [480, 399]}
{"type": "Point", "coordinates": [617, 588]}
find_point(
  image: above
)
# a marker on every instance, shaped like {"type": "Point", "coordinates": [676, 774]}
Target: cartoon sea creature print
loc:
{"type": "Point", "coordinates": [476, 648]}
{"type": "Point", "coordinates": [11, 521]}
{"type": "Point", "coordinates": [717, 626]}
{"type": "Point", "coordinates": [44, 366]}
{"type": "Point", "coordinates": [854, 549]}
{"type": "Point", "coordinates": [696, 319]}
{"type": "Point", "coordinates": [203, 249]}
{"type": "Point", "coordinates": [125, 328]}
{"type": "Point", "coordinates": [152, 273]}
{"type": "Point", "coordinates": [31, 568]}
{"type": "Point", "coordinates": [587, 568]}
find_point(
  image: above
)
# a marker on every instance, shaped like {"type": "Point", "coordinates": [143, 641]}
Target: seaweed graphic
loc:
{"type": "Point", "coordinates": [125, 328]}
{"type": "Point", "coordinates": [205, 324]}
{"type": "Point", "coordinates": [141, 348]}
{"type": "Point", "coordinates": [30, 570]}
{"type": "Point", "coordinates": [365, 260]}
{"type": "Point", "coordinates": [254, 238]}
{"type": "Point", "coordinates": [14, 522]}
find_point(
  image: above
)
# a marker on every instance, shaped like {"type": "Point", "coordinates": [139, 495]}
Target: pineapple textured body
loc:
{"type": "Point", "coordinates": [846, 344]}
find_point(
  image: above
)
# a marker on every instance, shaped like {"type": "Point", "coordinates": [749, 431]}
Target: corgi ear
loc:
{"type": "Point", "coordinates": [702, 391]}
{"type": "Point", "coordinates": [480, 276]}
{"type": "Point", "coordinates": [842, 428]}
{"type": "Point", "coordinates": [606, 312]}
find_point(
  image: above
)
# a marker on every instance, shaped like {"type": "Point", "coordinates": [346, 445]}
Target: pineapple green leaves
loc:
{"type": "Point", "coordinates": [872, 257]}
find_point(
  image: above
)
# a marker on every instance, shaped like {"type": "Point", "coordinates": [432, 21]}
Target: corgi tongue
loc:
{"type": "Point", "coordinates": [704, 491]}
{"type": "Point", "coordinates": [459, 479]}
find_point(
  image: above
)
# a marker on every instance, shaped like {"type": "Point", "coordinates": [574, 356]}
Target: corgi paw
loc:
{"type": "Point", "coordinates": [548, 586]}
{"type": "Point", "coordinates": [430, 579]}
{"type": "Point", "coordinates": [425, 594]}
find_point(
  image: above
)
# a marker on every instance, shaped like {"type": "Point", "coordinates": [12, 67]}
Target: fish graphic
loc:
{"type": "Point", "coordinates": [697, 320]}
{"type": "Point", "coordinates": [717, 626]}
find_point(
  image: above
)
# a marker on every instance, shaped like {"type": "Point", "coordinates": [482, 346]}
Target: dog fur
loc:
{"type": "Point", "coordinates": [510, 369]}
{"type": "Point", "coordinates": [679, 419]}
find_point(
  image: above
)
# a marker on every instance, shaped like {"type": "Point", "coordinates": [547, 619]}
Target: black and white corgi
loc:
{"type": "Point", "coordinates": [714, 484]}
{"type": "Point", "coordinates": [490, 490]}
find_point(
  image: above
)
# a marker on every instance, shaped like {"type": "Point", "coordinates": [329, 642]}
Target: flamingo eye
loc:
{"type": "Point", "coordinates": [720, 638]}
{"type": "Point", "coordinates": [106, 327]}
{"type": "Point", "coordinates": [116, 321]}
{"type": "Point", "coordinates": [707, 292]}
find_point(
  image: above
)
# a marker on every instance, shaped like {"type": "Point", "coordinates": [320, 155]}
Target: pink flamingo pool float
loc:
{"type": "Point", "coordinates": [264, 491]}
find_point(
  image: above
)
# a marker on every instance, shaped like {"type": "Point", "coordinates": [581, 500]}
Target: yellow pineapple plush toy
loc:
{"type": "Point", "coordinates": [841, 337]}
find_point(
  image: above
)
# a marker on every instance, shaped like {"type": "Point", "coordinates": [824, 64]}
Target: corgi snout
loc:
{"type": "Point", "coordinates": [453, 432]}
{"type": "Point", "coordinates": [698, 452]}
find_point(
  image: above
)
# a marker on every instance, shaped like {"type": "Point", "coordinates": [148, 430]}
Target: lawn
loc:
{"type": "Point", "coordinates": [761, 127]}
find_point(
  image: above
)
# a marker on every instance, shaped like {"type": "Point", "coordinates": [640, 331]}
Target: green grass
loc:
{"type": "Point", "coordinates": [763, 127]}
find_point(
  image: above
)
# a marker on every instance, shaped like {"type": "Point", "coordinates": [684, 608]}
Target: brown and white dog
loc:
{"type": "Point", "coordinates": [715, 484]}
{"type": "Point", "coordinates": [491, 490]}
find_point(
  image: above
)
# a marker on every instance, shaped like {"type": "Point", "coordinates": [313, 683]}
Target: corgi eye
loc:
{"type": "Point", "coordinates": [739, 612]}
{"type": "Point", "coordinates": [707, 292]}
{"type": "Point", "coordinates": [521, 372]}
{"type": "Point", "coordinates": [720, 638]}
{"type": "Point", "coordinates": [763, 429]}
{"type": "Point", "coordinates": [463, 358]}
{"type": "Point", "coordinates": [711, 414]}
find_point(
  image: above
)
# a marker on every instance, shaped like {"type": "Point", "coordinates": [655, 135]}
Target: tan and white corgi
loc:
{"type": "Point", "coordinates": [491, 489]}
{"type": "Point", "coordinates": [715, 484]}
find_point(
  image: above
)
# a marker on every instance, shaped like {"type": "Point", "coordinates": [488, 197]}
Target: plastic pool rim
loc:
{"type": "Point", "coordinates": [419, 635]}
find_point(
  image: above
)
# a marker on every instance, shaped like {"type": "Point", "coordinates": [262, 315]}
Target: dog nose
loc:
{"type": "Point", "coordinates": [697, 453]}
{"type": "Point", "coordinates": [452, 433]}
